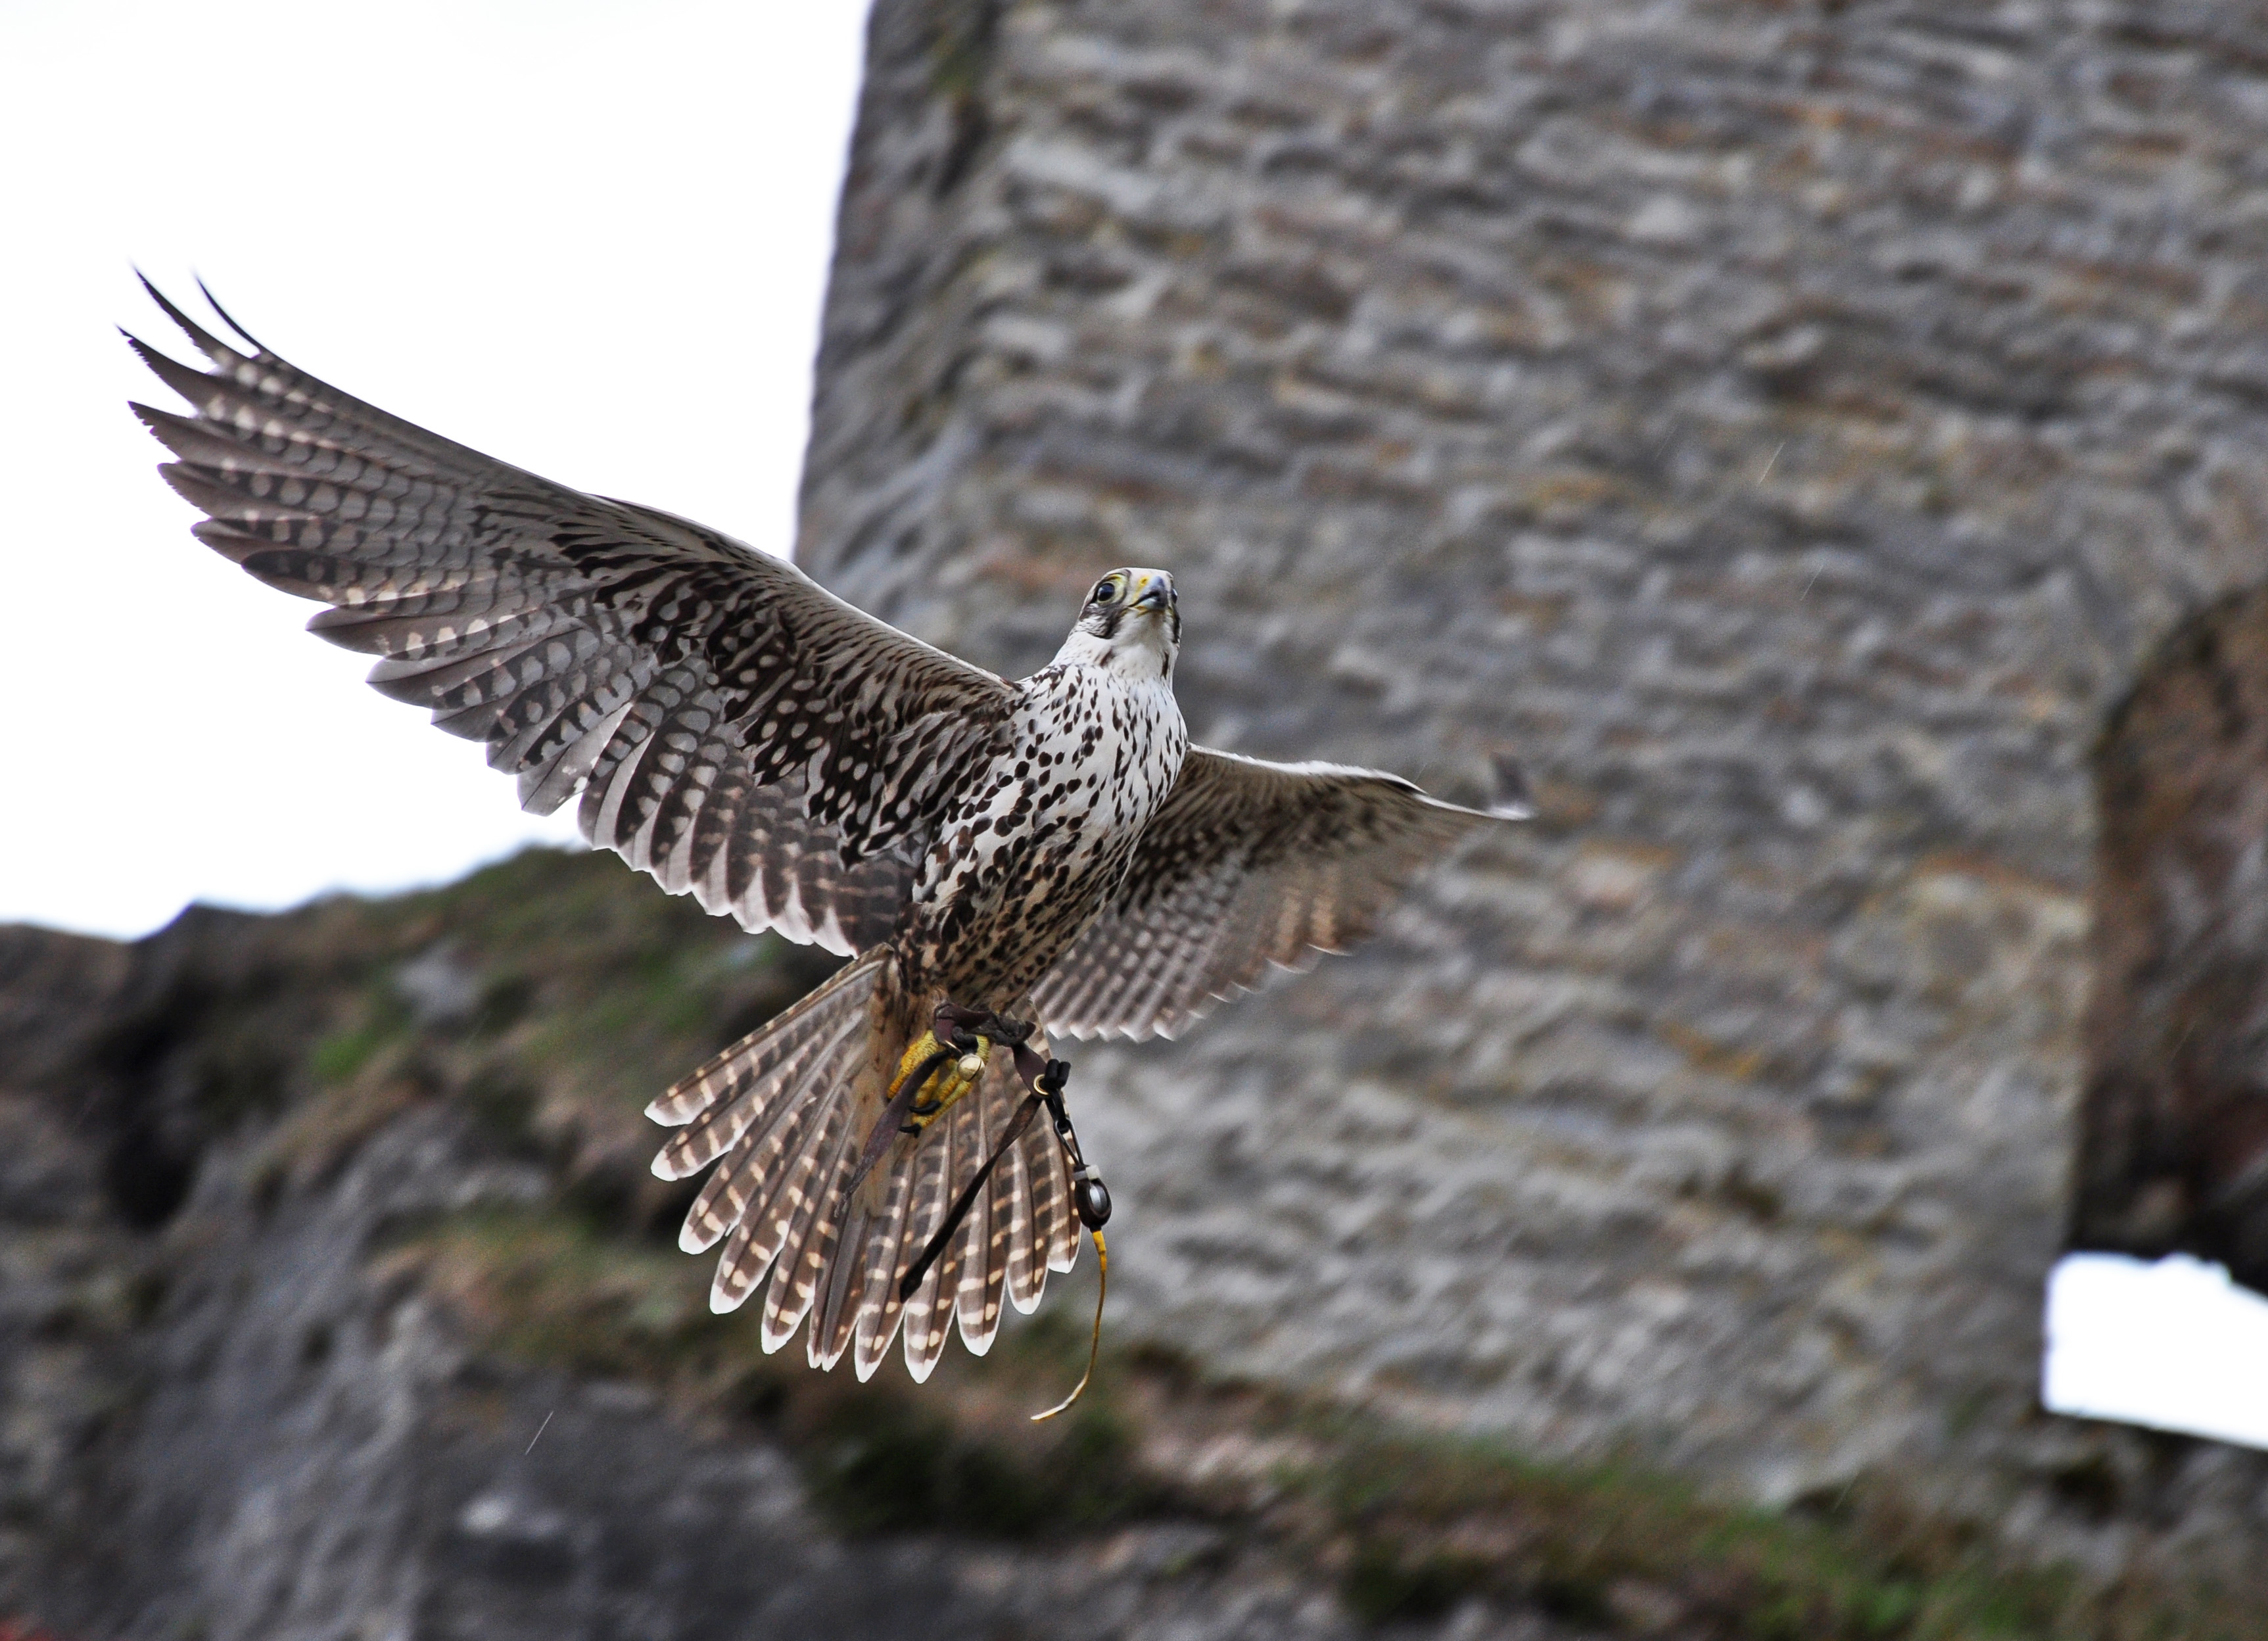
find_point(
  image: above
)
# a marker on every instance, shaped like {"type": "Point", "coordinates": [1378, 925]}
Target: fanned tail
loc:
{"type": "Point", "coordinates": [784, 1114]}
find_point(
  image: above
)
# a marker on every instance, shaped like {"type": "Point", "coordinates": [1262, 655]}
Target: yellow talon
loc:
{"type": "Point", "coordinates": [924, 1046]}
{"type": "Point", "coordinates": [951, 1081]}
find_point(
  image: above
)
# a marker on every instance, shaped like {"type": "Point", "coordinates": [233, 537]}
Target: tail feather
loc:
{"type": "Point", "coordinates": [709, 1085]}
{"type": "Point", "coordinates": [752, 1168]}
{"type": "Point", "coordinates": [1049, 1238]}
{"type": "Point", "coordinates": [851, 1276]}
{"type": "Point", "coordinates": [718, 1129]}
{"type": "Point", "coordinates": [929, 1317]}
{"type": "Point", "coordinates": [763, 1234]}
{"type": "Point", "coordinates": [862, 1305]}
{"type": "Point", "coordinates": [791, 1221]}
{"type": "Point", "coordinates": [930, 1202]}
{"type": "Point", "coordinates": [1016, 1196]}
{"type": "Point", "coordinates": [875, 1325]}
{"type": "Point", "coordinates": [1055, 1207]}
{"type": "Point", "coordinates": [784, 1115]}
{"type": "Point", "coordinates": [984, 1250]}
{"type": "Point", "coordinates": [796, 1282]}
{"type": "Point", "coordinates": [739, 1197]}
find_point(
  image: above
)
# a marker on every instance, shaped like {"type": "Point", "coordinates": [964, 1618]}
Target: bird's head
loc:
{"type": "Point", "coordinates": [1132, 625]}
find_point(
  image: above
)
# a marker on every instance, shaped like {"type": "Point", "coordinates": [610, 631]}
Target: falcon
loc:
{"type": "Point", "coordinates": [1002, 862]}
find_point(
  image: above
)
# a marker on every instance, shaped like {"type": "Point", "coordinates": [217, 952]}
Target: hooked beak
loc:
{"type": "Point", "coordinates": [1159, 595]}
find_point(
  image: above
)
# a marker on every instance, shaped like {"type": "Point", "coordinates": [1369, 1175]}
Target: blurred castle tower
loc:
{"type": "Point", "coordinates": [1794, 432]}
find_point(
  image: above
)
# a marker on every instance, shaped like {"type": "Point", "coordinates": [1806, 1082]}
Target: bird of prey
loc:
{"type": "Point", "coordinates": [1050, 850]}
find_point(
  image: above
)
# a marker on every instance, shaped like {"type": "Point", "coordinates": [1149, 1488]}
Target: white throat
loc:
{"type": "Point", "coordinates": [1138, 651]}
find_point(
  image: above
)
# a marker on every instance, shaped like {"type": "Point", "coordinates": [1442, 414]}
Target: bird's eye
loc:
{"type": "Point", "coordinates": [1106, 589]}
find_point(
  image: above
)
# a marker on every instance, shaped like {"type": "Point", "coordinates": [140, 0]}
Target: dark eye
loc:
{"type": "Point", "coordinates": [1104, 589]}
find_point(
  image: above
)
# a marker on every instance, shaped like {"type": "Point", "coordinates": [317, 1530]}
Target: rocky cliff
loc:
{"type": "Point", "coordinates": [339, 1304]}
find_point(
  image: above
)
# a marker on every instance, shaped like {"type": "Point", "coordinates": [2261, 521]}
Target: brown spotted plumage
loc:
{"type": "Point", "coordinates": [1051, 848]}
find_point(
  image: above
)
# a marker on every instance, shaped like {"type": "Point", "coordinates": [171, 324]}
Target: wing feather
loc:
{"type": "Point", "coordinates": [733, 728]}
{"type": "Point", "coordinates": [1249, 866]}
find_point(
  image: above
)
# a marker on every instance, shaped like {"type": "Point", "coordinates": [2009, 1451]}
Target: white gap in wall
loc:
{"type": "Point", "coordinates": [2176, 1345]}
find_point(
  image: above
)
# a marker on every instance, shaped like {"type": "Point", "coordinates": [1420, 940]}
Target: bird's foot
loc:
{"type": "Point", "coordinates": [943, 1063]}
{"type": "Point", "coordinates": [953, 1052]}
{"type": "Point", "coordinates": [937, 1074]}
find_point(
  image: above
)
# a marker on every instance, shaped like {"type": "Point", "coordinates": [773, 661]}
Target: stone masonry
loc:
{"type": "Point", "coordinates": [1790, 430]}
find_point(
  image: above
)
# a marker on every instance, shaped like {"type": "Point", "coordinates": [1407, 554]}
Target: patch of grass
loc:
{"type": "Point", "coordinates": [546, 1286]}
{"type": "Point", "coordinates": [594, 991]}
{"type": "Point", "coordinates": [883, 1464]}
{"type": "Point", "coordinates": [319, 1135]}
{"type": "Point", "coordinates": [601, 990]}
{"type": "Point", "coordinates": [1438, 1518]}
{"type": "Point", "coordinates": [1384, 1581]}
{"type": "Point", "coordinates": [379, 1022]}
{"type": "Point", "coordinates": [1431, 1521]}
{"type": "Point", "coordinates": [340, 1057]}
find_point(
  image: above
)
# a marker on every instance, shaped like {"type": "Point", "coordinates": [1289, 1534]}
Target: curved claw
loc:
{"type": "Point", "coordinates": [958, 1070]}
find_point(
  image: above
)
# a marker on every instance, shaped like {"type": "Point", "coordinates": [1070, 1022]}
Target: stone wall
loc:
{"type": "Point", "coordinates": [1786, 428]}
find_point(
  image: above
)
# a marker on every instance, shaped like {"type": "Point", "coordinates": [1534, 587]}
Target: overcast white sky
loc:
{"type": "Point", "coordinates": [590, 238]}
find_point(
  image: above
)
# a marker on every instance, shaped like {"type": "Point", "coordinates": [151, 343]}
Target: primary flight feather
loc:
{"type": "Point", "coordinates": [1051, 848]}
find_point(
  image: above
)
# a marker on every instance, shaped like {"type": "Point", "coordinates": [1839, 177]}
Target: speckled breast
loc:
{"type": "Point", "coordinates": [1037, 844]}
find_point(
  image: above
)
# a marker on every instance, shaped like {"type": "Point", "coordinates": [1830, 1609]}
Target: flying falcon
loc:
{"type": "Point", "coordinates": [1051, 851]}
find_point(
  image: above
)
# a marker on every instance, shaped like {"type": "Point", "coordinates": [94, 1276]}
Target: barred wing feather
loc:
{"type": "Point", "coordinates": [729, 726]}
{"type": "Point", "coordinates": [1250, 865]}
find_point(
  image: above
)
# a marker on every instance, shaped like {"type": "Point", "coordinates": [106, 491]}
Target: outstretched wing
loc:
{"type": "Point", "coordinates": [732, 728]}
{"type": "Point", "coordinates": [1249, 866]}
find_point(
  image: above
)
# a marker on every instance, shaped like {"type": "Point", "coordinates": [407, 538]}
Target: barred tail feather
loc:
{"type": "Point", "coordinates": [753, 1169]}
{"type": "Point", "coordinates": [932, 1189]}
{"type": "Point", "coordinates": [876, 1324]}
{"type": "Point", "coordinates": [984, 1250]}
{"type": "Point", "coordinates": [783, 1117]}
{"type": "Point", "coordinates": [879, 1246]}
{"type": "Point", "coordinates": [846, 1312]}
{"type": "Point", "coordinates": [819, 1218]}
{"type": "Point", "coordinates": [762, 1111]}
{"type": "Point", "coordinates": [1055, 1229]}
{"type": "Point", "coordinates": [739, 1068]}
{"type": "Point", "coordinates": [742, 1118]}
{"type": "Point", "coordinates": [772, 1231]}
{"type": "Point", "coordinates": [1014, 1185]}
